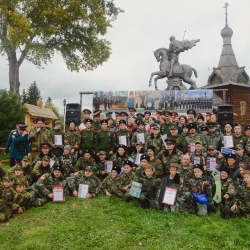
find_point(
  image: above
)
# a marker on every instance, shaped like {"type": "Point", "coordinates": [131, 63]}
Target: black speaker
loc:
{"type": "Point", "coordinates": [225, 115]}
{"type": "Point", "coordinates": [73, 112]}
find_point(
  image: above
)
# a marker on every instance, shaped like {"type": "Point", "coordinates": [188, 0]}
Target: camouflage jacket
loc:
{"type": "Point", "coordinates": [81, 164]}
{"type": "Point", "coordinates": [157, 142]}
{"type": "Point", "coordinates": [202, 157]}
{"type": "Point", "coordinates": [37, 138]}
{"type": "Point", "coordinates": [126, 179]}
{"type": "Point", "coordinates": [118, 133]}
{"type": "Point", "coordinates": [167, 158]}
{"type": "Point", "coordinates": [119, 160]}
{"type": "Point", "coordinates": [165, 128]}
{"type": "Point", "coordinates": [244, 159]}
{"type": "Point", "coordinates": [43, 186]}
{"type": "Point", "coordinates": [197, 137]}
{"type": "Point", "coordinates": [78, 178]}
{"type": "Point", "coordinates": [22, 178]}
{"type": "Point", "coordinates": [26, 172]}
{"type": "Point", "coordinates": [227, 187]}
{"type": "Point", "coordinates": [242, 139]}
{"type": "Point", "coordinates": [181, 143]}
{"type": "Point", "coordinates": [185, 174]}
{"type": "Point", "coordinates": [157, 164]}
{"type": "Point", "coordinates": [112, 186]}
{"type": "Point", "coordinates": [67, 162]}
{"type": "Point", "coordinates": [7, 196]}
{"type": "Point", "coordinates": [72, 138]}
{"type": "Point", "coordinates": [138, 131]}
{"type": "Point", "coordinates": [40, 156]}
{"type": "Point", "coordinates": [214, 139]}
{"type": "Point", "coordinates": [149, 186]}
{"type": "Point", "coordinates": [21, 200]}
{"type": "Point", "coordinates": [242, 199]}
{"type": "Point", "coordinates": [38, 171]}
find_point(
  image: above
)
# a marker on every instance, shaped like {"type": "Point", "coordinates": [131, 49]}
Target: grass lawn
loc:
{"type": "Point", "coordinates": [109, 223]}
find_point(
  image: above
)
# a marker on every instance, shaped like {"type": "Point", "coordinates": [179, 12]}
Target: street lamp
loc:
{"type": "Point", "coordinates": [64, 104]}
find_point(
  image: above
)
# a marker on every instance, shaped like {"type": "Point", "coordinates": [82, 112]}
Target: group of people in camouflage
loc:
{"type": "Point", "coordinates": [157, 152]}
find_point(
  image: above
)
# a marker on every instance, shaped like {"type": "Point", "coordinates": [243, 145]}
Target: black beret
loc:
{"type": "Point", "coordinates": [58, 168]}
{"type": "Point", "coordinates": [117, 169]}
{"type": "Point", "coordinates": [198, 166]}
{"type": "Point", "coordinates": [145, 157]}
{"type": "Point", "coordinates": [231, 156]}
{"type": "Point", "coordinates": [128, 162]}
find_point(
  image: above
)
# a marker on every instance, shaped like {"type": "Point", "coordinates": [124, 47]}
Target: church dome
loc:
{"type": "Point", "coordinates": [226, 31]}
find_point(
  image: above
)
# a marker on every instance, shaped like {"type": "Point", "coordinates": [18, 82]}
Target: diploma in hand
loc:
{"type": "Point", "coordinates": [108, 166]}
{"type": "Point", "coordinates": [58, 193]}
{"type": "Point", "coordinates": [123, 140]}
{"type": "Point", "coordinates": [170, 195]}
{"type": "Point", "coordinates": [83, 190]}
{"type": "Point", "coordinates": [58, 140]}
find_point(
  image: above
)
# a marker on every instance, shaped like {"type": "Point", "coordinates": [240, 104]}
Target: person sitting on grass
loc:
{"type": "Point", "coordinates": [138, 151]}
{"type": "Point", "coordinates": [173, 181]}
{"type": "Point", "coordinates": [241, 202]}
{"type": "Point", "coordinates": [101, 172]}
{"type": "Point", "coordinates": [41, 191]}
{"type": "Point", "coordinates": [144, 159]}
{"type": "Point", "coordinates": [120, 156]}
{"type": "Point", "coordinates": [111, 185]}
{"type": "Point", "coordinates": [200, 190]}
{"type": "Point", "coordinates": [21, 198]}
{"type": "Point", "coordinates": [42, 167]}
{"type": "Point", "coordinates": [149, 188]}
{"type": "Point", "coordinates": [18, 174]}
{"type": "Point", "coordinates": [2, 172]}
{"type": "Point", "coordinates": [127, 177]}
{"type": "Point", "coordinates": [84, 177]}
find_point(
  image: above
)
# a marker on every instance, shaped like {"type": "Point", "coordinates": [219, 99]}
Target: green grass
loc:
{"type": "Point", "coordinates": [109, 223]}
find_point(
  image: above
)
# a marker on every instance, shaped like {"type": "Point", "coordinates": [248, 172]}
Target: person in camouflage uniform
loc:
{"type": "Point", "coordinates": [137, 152]}
{"type": "Point", "coordinates": [171, 155]}
{"type": "Point", "coordinates": [41, 191]}
{"type": "Point", "coordinates": [144, 162]}
{"type": "Point", "coordinates": [2, 173]}
{"type": "Point", "coordinates": [240, 155]}
{"type": "Point", "coordinates": [198, 186]}
{"type": "Point", "coordinates": [185, 132]}
{"type": "Point", "coordinates": [241, 202]}
{"type": "Point", "coordinates": [140, 130]}
{"type": "Point", "coordinates": [37, 136]}
{"type": "Point", "coordinates": [147, 198]}
{"type": "Point", "coordinates": [6, 198]}
{"type": "Point", "coordinates": [67, 161]}
{"type": "Point", "coordinates": [198, 154]}
{"type": "Point", "coordinates": [42, 167]}
{"type": "Point", "coordinates": [233, 167]}
{"type": "Point", "coordinates": [72, 137]}
{"type": "Point", "coordinates": [27, 169]}
{"type": "Point", "coordinates": [127, 177]}
{"type": "Point", "coordinates": [155, 162]}
{"type": "Point", "coordinates": [57, 150]}
{"type": "Point", "coordinates": [194, 137]}
{"type": "Point", "coordinates": [213, 137]}
{"type": "Point", "coordinates": [21, 198]}
{"type": "Point", "coordinates": [18, 175]}
{"type": "Point", "coordinates": [84, 177]}
{"type": "Point", "coordinates": [220, 159]}
{"type": "Point", "coordinates": [111, 185]}
{"type": "Point", "coordinates": [87, 138]}
{"type": "Point", "coordinates": [165, 126]}
{"type": "Point", "coordinates": [156, 141]}
{"type": "Point", "coordinates": [104, 140]}
{"type": "Point", "coordinates": [238, 137]}
{"type": "Point", "coordinates": [46, 151]}
{"type": "Point", "coordinates": [100, 172]}
{"type": "Point", "coordinates": [180, 142]}
{"type": "Point", "coordinates": [120, 156]}
{"type": "Point", "coordinates": [123, 131]}
{"type": "Point", "coordinates": [85, 161]}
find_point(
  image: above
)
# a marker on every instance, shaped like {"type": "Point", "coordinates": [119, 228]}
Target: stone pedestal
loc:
{"type": "Point", "coordinates": [175, 83]}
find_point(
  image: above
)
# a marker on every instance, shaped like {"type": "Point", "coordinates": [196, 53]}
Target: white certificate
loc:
{"type": "Point", "coordinates": [197, 160]}
{"type": "Point", "coordinates": [228, 141]}
{"type": "Point", "coordinates": [51, 162]}
{"type": "Point", "coordinates": [83, 190]}
{"type": "Point", "coordinates": [81, 126]}
{"type": "Point", "coordinates": [191, 145]}
{"type": "Point", "coordinates": [58, 193]}
{"type": "Point", "coordinates": [169, 197]}
{"type": "Point", "coordinates": [138, 159]}
{"type": "Point", "coordinates": [108, 166]}
{"type": "Point", "coordinates": [141, 138]}
{"type": "Point", "coordinates": [123, 140]}
{"type": "Point", "coordinates": [58, 140]}
{"type": "Point", "coordinates": [211, 164]}
{"type": "Point", "coordinates": [164, 137]}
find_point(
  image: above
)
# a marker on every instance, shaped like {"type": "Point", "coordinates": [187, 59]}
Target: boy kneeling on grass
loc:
{"type": "Point", "coordinates": [200, 190]}
{"type": "Point", "coordinates": [241, 202]}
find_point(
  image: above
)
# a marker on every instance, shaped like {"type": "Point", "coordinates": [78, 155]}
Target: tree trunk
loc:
{"type": "Point", "coordinates": [13, 72]}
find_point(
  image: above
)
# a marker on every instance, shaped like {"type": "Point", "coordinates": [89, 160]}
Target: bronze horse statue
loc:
{"type": "Point", "coordinates": [182, 71]}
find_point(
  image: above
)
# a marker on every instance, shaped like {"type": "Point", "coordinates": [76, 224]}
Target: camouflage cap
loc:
{"type": "Point", "coordinates": [156, 127]}
{"type": "Point", "coordinates": [8, 178]}
{"type": "Point", "coordinates": [45, 158]}
{"type": "Point", "coordinates": [173, 127]}
{"type": "Point", "coordinates": [90, 168]}
{"type": "Point", "coordinates": [18, 167]}
{"type": "Point", "coordinates": [198, 142]}
{"type": "Point", "coordinates": [170, 141]}
{"type": "Point", "coordinates": [20, 182]}
{"type": "Point", "coordinates": [58, 122]}
{"type": "Point", "coordinates": [25, 158]}
{"type": "Point", "coordinates": [211, 124]}
{"type": "Point", "coordinates": [139, 143]}
{"type": "Point", "coordinates": [102, 153]}
{"type": "Point", "coordinates": [239, 146]}
{"type": "Point", "coordinates": [211, 147]}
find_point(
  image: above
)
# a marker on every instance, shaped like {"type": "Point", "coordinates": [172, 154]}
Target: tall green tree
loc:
{"type": "Point", "coordinates": [33, 94]}
{"type": "Point", "coordinates": [11, 111]}
{"type": "Point", "coordinates": [49, 100]}
{"type": "Point", "coordinates": [50, 105]}
{"type": "Point", "coordinates": [38, 28]}
{"type": "Point", "coordinates": [24, 97]}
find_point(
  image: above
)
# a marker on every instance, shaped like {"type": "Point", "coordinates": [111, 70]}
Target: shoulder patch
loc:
{"type": "Point", "coordinates": [76, 173]}
{"type": "Point", "coordinates": [42, 177]}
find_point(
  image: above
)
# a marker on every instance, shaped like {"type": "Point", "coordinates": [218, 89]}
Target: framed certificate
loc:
{"type": "Point", "coordinates": [228, 141]}
{"type": "Point", "coordinates": [135, 189]}
{"type": "Point", "coordinates": [164, 137]}
{"type": "Point", "coordinates": [81, 126]}
{"type": "Point", "coordinates": [58, 140]}
{"type": "Point", "coordinates": [191, 146]}
{"type": "Point", "coordinates": [138, 159]}
{"type": "Point", "coordinates": [51, 162]}
{"type": "Point", "coordinates": [123, 140]}
{"type": "Point", "coordinates": [83, 190]}
{"type": "Point", "coordinates": [108, 166]}
{"type": "Point", "coordinates": [211, 164]}
{"type": "Point", "coordinates": [141, 138]}
{"type": "Point", "coordinates": [58, 193]}
{"type": "Point", "coordinates": [196, 160]}
{"type": "Point", "coordinates": [169, 196]}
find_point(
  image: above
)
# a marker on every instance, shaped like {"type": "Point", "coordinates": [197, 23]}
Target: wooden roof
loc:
{"type": "Point", "coordinates": [40, 112]}
{"type": "Point", "coordinates": [225, 84]}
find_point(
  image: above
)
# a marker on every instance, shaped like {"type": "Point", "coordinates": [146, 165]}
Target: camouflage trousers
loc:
{"type": "Point", "coordinates": [5, 212]}
{"type": "Point", "coordinates": [36, 200]}
{"type": "Point", "coordinates": [146, 202]}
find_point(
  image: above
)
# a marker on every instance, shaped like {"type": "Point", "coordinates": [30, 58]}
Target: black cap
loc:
{"type": "Point", "coordinates": [151, 147]}
{"type": "Point", "coordinates": [128, 162]}
{"type": "Point", "coordinates": [198, 166]}
{"type": "Point", "coordinates": [147, 113]}
{"type": "Point", "coordinates": [59, 168]}
{"type": "Point", "coordinates": [72, 120]}
{"type": "Point", "coordinates": [122, 146]}
{"type": "Point", "coordinates": [231, 156]}
{"type": "Point", "coordinates": [117, 169]}
{"type": "Point", "coordinates": [88, 120]}
{"type": "Point", "coordinates": [224, 169]}
{"type": "Point", "coordinates": [87, 111]}
{"type": "Point", "coordinates": [140, 123]}
{"type": "Point", "coordinates": [45, 145]}
{"type": "Point", "coordinates": [247, 127]}
{"type": "Point", "coordinates": [132, 109]}
{"type": "Point", "coordinates": [122, 122]}
{"type": "Point", "coordinates": [104, 121]}
{"type": "Point", "coordinates": [87, 151]}
{"type": "Point", "coordinates": [167, 113]}
{"type": "Point", "coordinates": [145, 157]}
{"type": "Point", "coordinates": [204, 128]}
{"type": "Point", "coordinates": [211, 124]}
{"type": "Point", "coordinates": [192, 125]}
{"type": "Point", "coordinates": [40, 119]}
{"type": "Point", "coordinates": [191, 111]}
{"type": "Point", "coordinates": [200, 117]}
{"type": "Point", "coordinates": [170, 140]}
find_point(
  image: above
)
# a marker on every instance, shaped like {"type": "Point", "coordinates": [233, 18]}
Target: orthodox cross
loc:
{"type": "Point", "coordinates": [184, 35]}
{"type": "Point", "coordinates": [226, 5]}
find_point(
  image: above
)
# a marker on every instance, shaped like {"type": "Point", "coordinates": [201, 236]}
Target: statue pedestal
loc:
{"type": "Point", "coordinates": [175, 83]}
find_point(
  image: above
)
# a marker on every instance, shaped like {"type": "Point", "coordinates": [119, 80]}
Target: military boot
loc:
{"type": "Point", "coordinates": [202, 209]}
{"type": "Point", "coordinates": [227, 210]}
{"type": "Point", "coordinates": [222, 210]}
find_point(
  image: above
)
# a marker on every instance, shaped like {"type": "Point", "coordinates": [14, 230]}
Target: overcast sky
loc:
{"type": "Point", "coordinates": [144, 27]}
